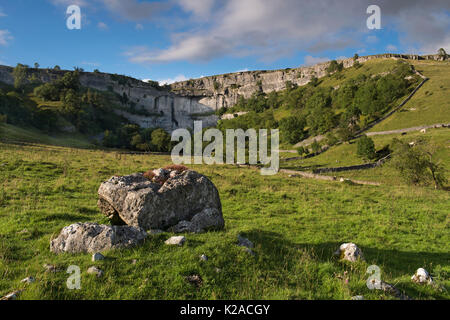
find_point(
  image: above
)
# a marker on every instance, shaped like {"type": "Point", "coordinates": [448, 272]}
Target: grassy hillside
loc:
{"type": "Point", "coordinates": [12, 133]}
{"type": "Point", "coordinates": [346, 155]}
{"type": "Point", "coordinates": [430, 105]}
{"type": "Point", "coordinates": [295, 224]}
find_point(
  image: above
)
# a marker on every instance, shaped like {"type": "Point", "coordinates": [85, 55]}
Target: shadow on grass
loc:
{"type": "Point", "coordinates": [394, 263]}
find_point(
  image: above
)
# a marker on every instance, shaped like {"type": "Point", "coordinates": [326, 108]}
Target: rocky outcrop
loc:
{"type": "Point", "coordinates": [165, 199]}
{"type": "Point", "coordinates": [225, 90]}
{"type": "Point", "coordinates": [148, 104]}
{"type": "Point", "coordinates": [92, 238]}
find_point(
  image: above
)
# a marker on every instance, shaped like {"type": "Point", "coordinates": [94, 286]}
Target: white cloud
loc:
{"type": "Point", "coordinates": [139, 27]}
{"type": "Point", "coordinates": [178, 78]}
{"type": "Point", "coordinates": [5, 37]}
{"type": "Point", "coordinates": [310, 60]}
{"type": "Point", "coordinates": [2, 14]}
{"type": "Point", "coordinates": [200, 8]}
{"type": "Point", "coordinates": [90, 64]}
{"type": "Point", "coordinates": [102, 26]}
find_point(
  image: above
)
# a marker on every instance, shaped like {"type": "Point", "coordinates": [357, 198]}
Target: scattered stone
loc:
{"type": "Point", "coordinates": [195, 279]}
{"type": "Point", "coordinates": [179, 241]}
{"type": "Point", "coordinates": [423, 131]}
{"type": "Point", "coordinates": [422, 277]}
{"type": "Point", "coordinates": [203, 257]}
{"type": "Point", "coordinates": [12, 295]}
{"type": "Point", "coordinates": [349, 252]}
{"type": "Point", "coordinates": [218, 270]}
{"type": "Point", "coordinates": [184, 202]}
{"type": "Point", "coordinates": [50, 268]}
{"type": "Point", "coordinates": [357, 298]}
{"type": "Point", "coordinates": [28, 280]}
{"type": "Point", "coordinates": [244, 242]}
{"type": "Point", "coordinates": [96, 271]}
{"type": "Point", "coordinates": [134, 261]}
{"type": "Point", "coordinates": [98, 256]}
{"type": "Point", "coordinates": [92, 237]}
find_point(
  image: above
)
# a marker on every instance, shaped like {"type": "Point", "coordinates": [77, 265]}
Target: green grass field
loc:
{"type": "Point", "coordinates": [296, 225]}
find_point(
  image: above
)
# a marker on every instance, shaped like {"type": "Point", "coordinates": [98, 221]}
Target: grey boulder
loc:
{"type": "Point", "coordinates": [93, 238]}
{"type": "Point", "coordinates": [173, 201]}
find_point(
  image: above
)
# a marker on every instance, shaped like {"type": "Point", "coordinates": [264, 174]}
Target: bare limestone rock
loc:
{"type": "Point", "coordinates": [422, 277]}
{"type": "Point", "coordinates": [349, 252]}
{"type": "Point", "coordinates": [92, 238]}
{"type": "Point", "coordinates": [166, 199]}
{"type": "Point", "coordinates": [175, 241]}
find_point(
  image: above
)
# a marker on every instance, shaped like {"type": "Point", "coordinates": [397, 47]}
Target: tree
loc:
{"type": "Point", "coordinates": [57, 68]}
{"type": "Point", "coordinates": [20, 76]}
{"type": "Point", "coordinates": [366, 148]}
{"type": "Point", "coordinates": [291, 129]}
{"type": "Point", "coordinates": [355, 57]}
{"type": "Point", "coordinates": [302, 151]}
{"type": "Point", "coordinates": [161, 139]}
{"type": "Point", "coordinates": [315, 146]}
{"type": "Point", "coordinates": [36, 65]}
{"type": "Point", "coordinates": [416, 164]}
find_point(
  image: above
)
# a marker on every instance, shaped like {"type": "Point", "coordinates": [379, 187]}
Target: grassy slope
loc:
{"type": "Point", "coordinates": [345, 155]}
{"type": "Point", "coordinates": [17, 134]}
{"type": "Point", "coordinates": [430, 105]}
{"type": "Point", "coordinates": [295, 224]}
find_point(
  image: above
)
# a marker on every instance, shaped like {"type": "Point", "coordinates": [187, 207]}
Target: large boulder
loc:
{"type": "Point", "coordinates": [172, 200]}
{"type": "Point", "coordinates": [92, 238]}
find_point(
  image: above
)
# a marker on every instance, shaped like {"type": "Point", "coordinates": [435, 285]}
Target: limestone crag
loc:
{"type": "Point", "coordinates": [226, 89]}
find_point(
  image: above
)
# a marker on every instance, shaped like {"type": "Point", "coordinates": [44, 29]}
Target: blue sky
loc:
{"type": "Point", "coordinates": [182, 39]}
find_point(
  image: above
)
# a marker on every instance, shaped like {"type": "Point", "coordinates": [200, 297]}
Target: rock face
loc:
{"type": "Point", "coordinates": [174, 201]}
{"type": "Point", "coordinates": [349, 252]}
{"type": "Point", "coordinates": [92, 238]}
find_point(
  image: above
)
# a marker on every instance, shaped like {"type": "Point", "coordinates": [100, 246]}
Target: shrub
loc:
{"type": "Point", "coordinates": [366, 148]}
{"type": "Point", "coordinates": [315, 146]}
{"type": "Point", "coordinates": [3, 118]}
{"type": "Point", "coordinates": [302, 151]}
{"type": "Point", "coordinates": [416, 164]}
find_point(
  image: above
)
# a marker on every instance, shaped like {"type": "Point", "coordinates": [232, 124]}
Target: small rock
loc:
{"type": "Point", "coordinates": [178, 240]}
{"type": "Point", "coordinates": [357, 298]}
{"type": "Point", "coordinates": [50, 268]}
{"type": "Point", "coordinates": [244, 242]}
{"type": "Point", "coordinates": [422, 276]}
{"type": "Point", "coordinates": [28, 280]}
{"type": "Point", "coordinates": [98, 256]}
{"type": "Point", "coordinates": [218, 270]}
{"type": "Point", "coordinates": [203, 257]}
{"type": "Point", "coordinates": [134, 261]}
{"type": "Point", "coordinates": [349, 252]}
{"type": "Point", "coordinates": [96, 271]}
{"type": "Point", "coordinates": [12, 295]}
{"type": "Point", "coordinates": [195, 279]}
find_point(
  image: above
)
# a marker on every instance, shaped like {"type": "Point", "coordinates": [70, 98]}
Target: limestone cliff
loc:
{"type": "Point", "coordinates": [225, 90]}
{"type": "Point", "coordinates": [180, 104]}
